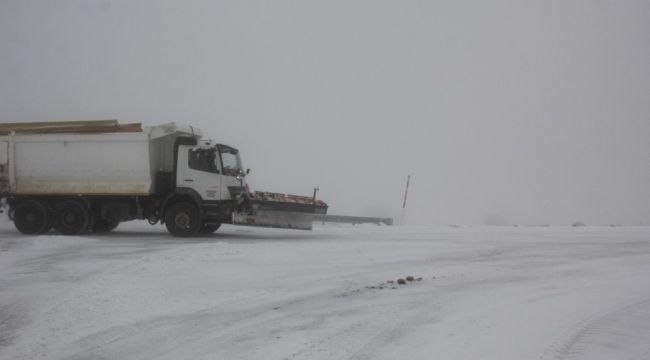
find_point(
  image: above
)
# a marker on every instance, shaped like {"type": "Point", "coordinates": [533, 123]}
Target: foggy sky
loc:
{"type": "Point", "coordinates": [535, 112]}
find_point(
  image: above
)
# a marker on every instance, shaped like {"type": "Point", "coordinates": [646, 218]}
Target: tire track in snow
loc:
{"type": "Point", "coordinates": [230, 325]}
{"type": "Point", "coordinates": [387, 324]}
{"type": "Point", "coordinates": [624, 330]}
{"type": "Point", "coordinates": [204, 330]}
{"type": "Point", "coordinates": [374, 322]}
{"type": "Point", "coordinates": [377, 328]}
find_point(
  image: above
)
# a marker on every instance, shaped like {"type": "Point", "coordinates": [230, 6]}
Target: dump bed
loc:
{"type": "Point", "coordinates": [84, 158]}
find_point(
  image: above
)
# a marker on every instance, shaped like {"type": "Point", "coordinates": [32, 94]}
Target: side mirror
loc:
{"type": "Point", "coordinates": [248, 171]}
{"type": "Point", "coordinates": [240, 174]}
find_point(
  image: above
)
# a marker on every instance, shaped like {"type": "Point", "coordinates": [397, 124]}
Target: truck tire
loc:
{"type": "Point", "coordinates": [182, 219]}
{"type": "Point", "coordinates": [209, 228]}
{"type": "Point", "coordinates": [71, 217]}
{"type": "Point", "coordinates": [102, 226]}
{"type": "Point", "coordinates": [31, 217]}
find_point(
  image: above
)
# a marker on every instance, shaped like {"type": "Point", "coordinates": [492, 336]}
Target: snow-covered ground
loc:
{"type": "Point", "coordinates": [249, 293]}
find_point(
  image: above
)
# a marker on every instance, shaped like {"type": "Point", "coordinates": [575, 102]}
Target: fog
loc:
{"type": "Point", "coordinates": [512, 112]}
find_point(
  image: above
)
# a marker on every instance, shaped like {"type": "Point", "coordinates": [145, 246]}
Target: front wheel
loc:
{"type": "Point", "coordinates": [182, 219]}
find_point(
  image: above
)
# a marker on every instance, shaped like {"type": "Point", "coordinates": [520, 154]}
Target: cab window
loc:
{"type": "Point", "coordinates": [203, 160]}
{"type": "Point", "coordinates": [230, 161]}
{"type": "Point", "coordinates": [230, 166]}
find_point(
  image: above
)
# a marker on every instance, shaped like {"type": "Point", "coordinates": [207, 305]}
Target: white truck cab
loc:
{"type": "Point", "coordinates": [211, 170]}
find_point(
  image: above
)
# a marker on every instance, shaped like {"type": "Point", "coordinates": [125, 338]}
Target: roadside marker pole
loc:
{"type": "Point", "coordinates": [406, 192]}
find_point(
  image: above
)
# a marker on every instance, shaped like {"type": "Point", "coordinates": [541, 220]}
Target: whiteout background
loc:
{"type": "Point", "coordinates": [530, 112]}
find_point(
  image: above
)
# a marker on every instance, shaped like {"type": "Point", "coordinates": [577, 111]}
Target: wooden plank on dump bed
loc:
{"type": "Point", "coordinates": [121, 128]}
{"type": "Point", "coordinates": [55, 124]}
{"type": "Point", "coordinates": [59, 127]}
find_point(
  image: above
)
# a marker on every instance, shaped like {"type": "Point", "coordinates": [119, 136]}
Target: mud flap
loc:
{"type": "Point", "coordinates": [276, 214]}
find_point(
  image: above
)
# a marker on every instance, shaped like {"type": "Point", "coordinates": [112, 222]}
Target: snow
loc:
{"type": "Point", "coordinates": [253, 293]}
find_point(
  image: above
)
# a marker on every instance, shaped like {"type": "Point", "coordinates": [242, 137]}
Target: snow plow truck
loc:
{"type": "Point", "coordinates": [88, 176]}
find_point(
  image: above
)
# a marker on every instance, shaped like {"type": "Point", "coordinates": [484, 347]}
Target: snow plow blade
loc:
{"type": "Point", "coordinates": [279, 211]}
{"type": "Point", "coordinates": [276, 217]}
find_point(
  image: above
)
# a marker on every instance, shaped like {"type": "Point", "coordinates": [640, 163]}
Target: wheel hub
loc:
{"type": "Point", "coordinates": [69, 219]}
{"type": "Point", "coordinates": [182, 220]}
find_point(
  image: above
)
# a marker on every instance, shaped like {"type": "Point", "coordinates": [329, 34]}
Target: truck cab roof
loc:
{"type": "Point", "coordinates": [173, 128]}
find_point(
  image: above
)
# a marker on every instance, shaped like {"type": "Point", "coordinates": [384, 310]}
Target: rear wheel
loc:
{"type": "Point", "coordinates": [71, 217]}
{"type": "Point", "coordinates": [32, 217]}
{"type": "Point", "coordinates": [182, 219]}
{"type": "Point", "coordinates": [209, 228]}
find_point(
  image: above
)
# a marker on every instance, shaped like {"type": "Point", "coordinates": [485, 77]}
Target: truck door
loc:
{"type": "Point", "coordinates": [201, 172]}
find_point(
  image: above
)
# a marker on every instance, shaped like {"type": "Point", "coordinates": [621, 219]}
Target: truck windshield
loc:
{"type": "Point", "coordinates": [230, 161]}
